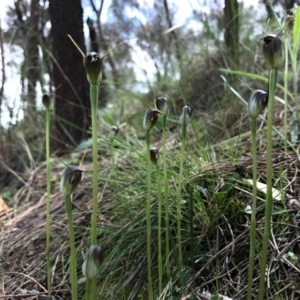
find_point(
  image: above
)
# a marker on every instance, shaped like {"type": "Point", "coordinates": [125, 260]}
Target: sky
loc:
{"type": "Point", "coordinates": [14, 57]}
{"type": "Point", "coordinates": [3, 7]}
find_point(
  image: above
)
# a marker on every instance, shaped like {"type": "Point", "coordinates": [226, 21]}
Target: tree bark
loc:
{"type": "Point", "coordinates": [3, 73]}
{"type": "Point", "coordinates": [232, 30]}
{"type": "Point", "coordinates": [72, 102]}
{"type": "Point", "coordinates": [32, 59]}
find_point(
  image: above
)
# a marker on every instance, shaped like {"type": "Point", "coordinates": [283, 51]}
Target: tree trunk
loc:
{"type": "Point", "coordinates": [32, 59]}
{"type": "Point", "coordinates": [72, 102]}
{"type": "Point", "coordinates": [232, 30]}
{"type": "Point", "coordinates": [3, 73]}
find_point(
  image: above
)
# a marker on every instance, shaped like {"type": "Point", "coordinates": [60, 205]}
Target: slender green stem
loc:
{"type": "Point", "coordinates": [94, 89]}
{"type": "Point", "coordinates": [48, 220]}
{"type": "Point", "coordinates": [148, 217]}
{"type": "Point", "coordinates": [269, 199]}
{"type": "Point", "coordinates": [166, 182]}
{"type": "Point", "coordinates": [112, 153]}
{"type": "Point", "coordinates": [295, 81]}
{"type": "Point", "coordinates": [179, 255]}
{"type": "Point", "coordinates": [192, 230]}
{"type": "Point", "coordinates": [253, 214]}
{"type": "Point", "coordinates": [88, 288]}
{"type": "Point", "coordinates": [72, 246]}
{"type": "Point", "coordinates": [160, 269]}
{"type": "Point", "coordinates": [286, 75]}
{"type": "Point", "coordinates": [94, 105]}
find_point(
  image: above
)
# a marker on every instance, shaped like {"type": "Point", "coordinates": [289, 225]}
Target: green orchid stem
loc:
{"type": "Point", "coordinates": [160, 268]}
{"type": "Point", "coordinates": [192, 231]}
{"type": "Point", "coordinates": [94, 90]}
{"type": "Point", "coordinates": [72, 246]}
{"type": "Point", "coordinates": [112, 155]}
{"type": "Point", "coordinates": [48, 220]}
{"type": "Point", "coordinates": [269, 199]}
{"type": "Point", "coordinates": [179, 254]}
{"type": "Point", "coordinates": [166, 183]}
{"type": "Point", "coordinates": [148, 218]}
{"type": "Point", "coordinates": [253, 213]}
{"type": "Point", "coordinates": [88, 288]}
{"type": "Point", "coordinates": [286, 75]}
{"type": "Point", "coordinates": [94, 105]}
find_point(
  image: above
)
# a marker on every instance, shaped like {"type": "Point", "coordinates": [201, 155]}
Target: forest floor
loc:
{"type": "Point", "coordinates": [215, 256]}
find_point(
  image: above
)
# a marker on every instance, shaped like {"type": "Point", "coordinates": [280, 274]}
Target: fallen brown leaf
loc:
{"type": "Point", "coordinates": [3, 206]}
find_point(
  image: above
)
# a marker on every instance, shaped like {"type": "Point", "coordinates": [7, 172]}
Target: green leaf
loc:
{"type": "Point", "coordinates": [296, 31]}
{"type": "Point", "coordinates": [255, 76]}
{"type": "Point", "coordinates": [292, 256]}
{"type": "Point", "coordinates": [220, 196]}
